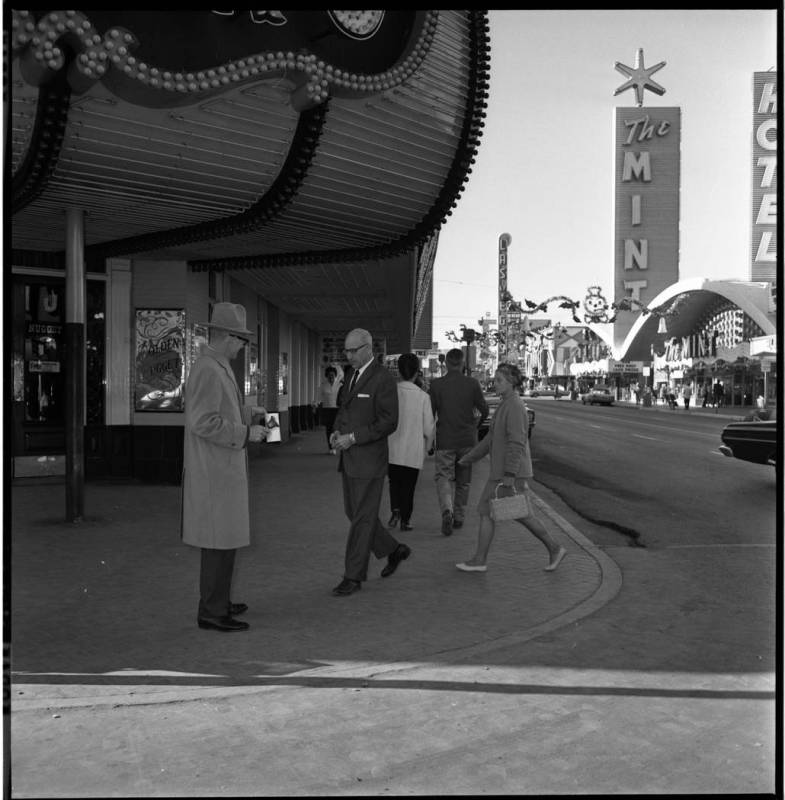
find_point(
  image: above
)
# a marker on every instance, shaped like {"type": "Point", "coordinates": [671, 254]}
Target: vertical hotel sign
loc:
{"type": "Point", "coordinates": [647, 175]}
{"type": "Point", "coordinates": [764, 177]}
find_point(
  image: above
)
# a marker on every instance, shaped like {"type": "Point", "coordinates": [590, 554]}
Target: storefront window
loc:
{"type": "Point", "coordinates": [43, 369]}
{"type": "Point", "coordinates": [95, 337]}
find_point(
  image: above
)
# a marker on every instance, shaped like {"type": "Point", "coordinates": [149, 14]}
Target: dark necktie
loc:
{"type": "Point", "coordinates": [353, 382]}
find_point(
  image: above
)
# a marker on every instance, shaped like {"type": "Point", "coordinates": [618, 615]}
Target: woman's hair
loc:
{"type": "Point", "coordinates": [408, 366]}
{"type": "Point", "coordinates": [511, 373]}
{"type": "Point", "coordinates": [329, 370]}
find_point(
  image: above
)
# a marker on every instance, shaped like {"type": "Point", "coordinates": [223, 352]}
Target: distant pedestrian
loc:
{"type": "Point", "coordinates": [704, 395]}
{"type": "Point", "coordinates": [409, 443]}
{"type": "Point", "coordinates": [663, 394]}
{"type": "Point", "coordinates": [328, 401]}
{"type": "Point", "coordinates": [218, 428]}
{"type": "Point", "coordinates": [367, 416]}
{"type": "Point", "coordinates": [719, 395]}
{"type": "Point", "coordinates": [507, 444]}
{"type": "Point", "coordinates": [672, 397]}
{"type": "Point", "coordinates": [686, 395]}
{"type": "Point", "coordinates": [456, 400]}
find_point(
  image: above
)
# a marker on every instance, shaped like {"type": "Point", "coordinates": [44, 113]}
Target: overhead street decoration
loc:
{"type": "Point", "coordinates": [597, 309]}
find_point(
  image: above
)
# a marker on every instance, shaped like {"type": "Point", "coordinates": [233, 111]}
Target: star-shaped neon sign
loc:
{"type": "Point", "coordinates": [639, 77]}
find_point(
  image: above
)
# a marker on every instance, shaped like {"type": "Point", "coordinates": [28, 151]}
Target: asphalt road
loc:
{"type": "Point", "coordinates": [655, 478]}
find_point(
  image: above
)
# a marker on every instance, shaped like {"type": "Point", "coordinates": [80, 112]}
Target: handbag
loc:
{"type": "Point", "coordinates": [515, 506]}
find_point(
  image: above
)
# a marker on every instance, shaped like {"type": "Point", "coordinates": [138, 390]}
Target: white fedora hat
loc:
{"type": "Point", "coordinates": [230, 317]}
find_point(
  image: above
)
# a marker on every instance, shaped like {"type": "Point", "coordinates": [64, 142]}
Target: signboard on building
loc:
{"type": "Point", "coordinates": [625, 367]}
{"type": "Point", "coordinates": [647, 183]}
{"type": "Point", "coordinates": [764, 177]}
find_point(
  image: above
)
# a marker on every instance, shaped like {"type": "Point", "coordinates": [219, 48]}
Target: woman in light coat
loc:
{"type": "Point", "coordinates": [218, 427]}
{"type": "Point", "coordinates": [507, 443]}
{"type": "Point", "coordinates": [409, 443]}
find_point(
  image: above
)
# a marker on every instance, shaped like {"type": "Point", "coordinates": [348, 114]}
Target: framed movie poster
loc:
{"type": "Point", "coordinates": [160, 359]}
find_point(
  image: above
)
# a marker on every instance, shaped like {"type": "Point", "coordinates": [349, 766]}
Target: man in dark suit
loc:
{"type": "Point", "coordinates": [368, 414]}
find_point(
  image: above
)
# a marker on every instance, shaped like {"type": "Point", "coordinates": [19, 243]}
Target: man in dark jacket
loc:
{"type": "Point", "coordinates": [368, 414]}
{"type": "Point", "coordinates": [454, 399]}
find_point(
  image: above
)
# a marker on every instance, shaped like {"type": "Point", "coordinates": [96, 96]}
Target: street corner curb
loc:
{"type": "Point", "coordinates": [611, 576]}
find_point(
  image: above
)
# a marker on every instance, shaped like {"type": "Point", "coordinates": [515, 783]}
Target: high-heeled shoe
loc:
{"type": "Point", "coordinates": [394, 519]}
{"type": "Point", "coordinates": [557, 560]}
{"type": "Point", "coordinates": [405, 526]}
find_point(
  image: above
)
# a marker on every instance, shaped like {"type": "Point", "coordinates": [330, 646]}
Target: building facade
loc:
{"type": "Point", "coordinates": [299, 162]}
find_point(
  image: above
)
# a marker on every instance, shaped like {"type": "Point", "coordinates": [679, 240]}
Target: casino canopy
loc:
{"type": "Point", "coordinates": [688, 304]}
{"type": "Point", "coordinates": [310, 151]}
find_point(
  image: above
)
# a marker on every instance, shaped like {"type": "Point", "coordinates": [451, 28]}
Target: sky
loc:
{"type": "Point", "coordinates": [544, 171]}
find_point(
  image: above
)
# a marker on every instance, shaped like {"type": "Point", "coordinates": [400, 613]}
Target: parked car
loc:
{"type": "Point", "coordinates": [546, 391]}
{"type": "Point", "coordinates": [598, 394]}
{"type": "Point", "coordinates": [493, 403]}
{"type": "Point", "coordinates": [754, 439]}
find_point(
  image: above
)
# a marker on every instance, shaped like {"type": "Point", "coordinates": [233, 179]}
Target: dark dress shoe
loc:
{"type": "Point", "coordinates": [447, 523]}
{"type": "Point", "coordinates": [394, 519]}
{"type": "Point", "coordinates": [347, 586]}
{"type": "Point", "coordinates": [457, 523]}
{"type": "Point", "coordinates": [222, 623]}
{"type": "Point", "coordinates": [235, 609]}
{"type": "Point", "coordinates": [401, 553]}
{"type": "Point", "coordinates": [405, 526]}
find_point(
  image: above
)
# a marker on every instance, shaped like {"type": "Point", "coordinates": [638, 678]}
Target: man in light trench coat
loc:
{"type": "Point", "coordinates": [215, 515]}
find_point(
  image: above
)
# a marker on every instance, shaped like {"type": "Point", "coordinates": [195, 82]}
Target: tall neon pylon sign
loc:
{"type": "Point", "coordinates": [505, 240]}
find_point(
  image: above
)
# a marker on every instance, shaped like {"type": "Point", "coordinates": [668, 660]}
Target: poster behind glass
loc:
{"type": "Point", "coordinates": [160, 359]}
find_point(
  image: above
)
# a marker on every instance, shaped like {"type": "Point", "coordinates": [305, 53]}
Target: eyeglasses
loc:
{"type": "Point", "coordinates": [352, 350]}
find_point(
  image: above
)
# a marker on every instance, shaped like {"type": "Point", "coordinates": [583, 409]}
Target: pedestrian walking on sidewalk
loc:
{"type": "Point", "coordinates": [409, 443]}
{"type": "Point", "coordinates": [507, 443]}
{"type": "Point", "coordinates": [704, 395]}
{"type": "Point", "coordinates": [686, 395]}
{"type": "Point", "coordinates": [456, 400]}
{"type": "Point", "coordinates": [328, 401]}
{"type": "Point", "coordinates": [218, 428]}
{"type": "Point", "coordinates": [367, 416]}
{"type": "Point", "coordinates": [719, 396]}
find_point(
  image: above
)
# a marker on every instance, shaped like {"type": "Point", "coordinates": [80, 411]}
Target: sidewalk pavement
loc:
{"type": "Point", "coordinates": [104, 611]}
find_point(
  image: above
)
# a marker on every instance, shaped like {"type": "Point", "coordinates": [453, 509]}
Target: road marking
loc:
{"type": "Point", "coordinates": [650, 438]}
